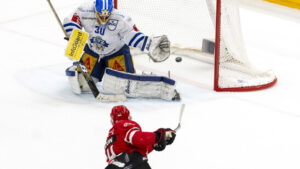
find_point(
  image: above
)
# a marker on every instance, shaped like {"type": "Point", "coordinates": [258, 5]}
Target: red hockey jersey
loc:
{"type": "Point", "coordinates": [127, 136]}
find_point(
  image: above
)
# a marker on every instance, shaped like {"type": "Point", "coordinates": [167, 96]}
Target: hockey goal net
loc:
{"type": "Point", "coordinates": [198, 26]}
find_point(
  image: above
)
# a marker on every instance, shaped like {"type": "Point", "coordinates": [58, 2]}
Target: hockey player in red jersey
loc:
{"type": "Point", "coordinates": [127, 146]}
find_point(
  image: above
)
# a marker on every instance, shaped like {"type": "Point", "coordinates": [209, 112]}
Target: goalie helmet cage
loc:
{"type": "Point", "coordinates": [188, 22]}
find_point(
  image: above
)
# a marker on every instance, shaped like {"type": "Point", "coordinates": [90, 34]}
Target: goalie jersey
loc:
{"type": "Point", "coordinates": [104, 41]}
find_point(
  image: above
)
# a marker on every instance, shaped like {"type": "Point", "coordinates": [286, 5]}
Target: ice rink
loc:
{"type": "Point", "coordinates": [43, 125]}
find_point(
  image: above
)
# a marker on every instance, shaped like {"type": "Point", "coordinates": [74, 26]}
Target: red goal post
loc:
{"type": "Point", "coordinates": [271, 83]}
{"type": "Point", "coordinates": [232, 69]}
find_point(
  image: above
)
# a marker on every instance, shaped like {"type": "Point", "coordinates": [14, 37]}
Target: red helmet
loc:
{"type": "Point", "coordinates": [119, 113]}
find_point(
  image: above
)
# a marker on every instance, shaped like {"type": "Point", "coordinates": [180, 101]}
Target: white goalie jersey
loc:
{"type": "Point", "coordinates": [107, 40]}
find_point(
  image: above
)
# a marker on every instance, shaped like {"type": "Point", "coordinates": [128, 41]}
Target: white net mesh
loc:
{"type": "Point", "coordinates": [188, 22]}
{"type": "Point", "coordinates": [235, 70]}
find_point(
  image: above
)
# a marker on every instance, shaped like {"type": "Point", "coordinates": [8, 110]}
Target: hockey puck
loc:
{"type": "Point", "coordinates": [178, 59]}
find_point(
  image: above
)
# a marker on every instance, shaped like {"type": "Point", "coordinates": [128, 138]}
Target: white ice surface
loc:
{"type": "Point", "coordinates": [43, 125]}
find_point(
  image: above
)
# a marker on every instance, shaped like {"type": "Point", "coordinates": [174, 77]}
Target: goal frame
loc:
{"type": "Point", "coordinates": [217, 53]}
{"type": "Point", "coordinates": [217, 59]}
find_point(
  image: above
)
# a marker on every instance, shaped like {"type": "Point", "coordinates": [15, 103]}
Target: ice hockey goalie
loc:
{"type": "Point", "coordinates": [111, 34]}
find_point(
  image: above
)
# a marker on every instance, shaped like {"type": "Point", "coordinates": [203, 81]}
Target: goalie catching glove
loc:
{"type": "Point", "coordinates": [163, 137]}
{"type": "Point", "coordinates": [159, 48]}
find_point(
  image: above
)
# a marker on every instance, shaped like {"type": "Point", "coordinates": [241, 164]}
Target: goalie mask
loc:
{"type": "Point", "coordinates": [103, 9]}
{"type": "Point", "coordinates": [119, 113]}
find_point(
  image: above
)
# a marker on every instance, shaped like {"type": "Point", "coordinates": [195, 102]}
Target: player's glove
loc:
{"type": "Point", "coordinates": [159, 48]}
{"type": "Point", "coordinates": [163, 137]}
{"type": "Point", "coordinates": [170, 136]}
{"type": "Point", "coordinates": [160, 140]}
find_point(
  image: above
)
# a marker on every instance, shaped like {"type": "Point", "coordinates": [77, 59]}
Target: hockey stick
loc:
{"type": "Point", "coordinates": [86, 75]}
{"type": "Point", "coordinates": [180, 117]}
{"type": "Point", "coordinates": [58, 20]}
{"type": "Point", "coordinates": [97, 94]}
{"type": "Point", "coordinates": [169, 134]}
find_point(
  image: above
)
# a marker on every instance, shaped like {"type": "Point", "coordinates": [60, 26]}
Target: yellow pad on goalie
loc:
{"type": "Point", "coordinates": [76, 44]}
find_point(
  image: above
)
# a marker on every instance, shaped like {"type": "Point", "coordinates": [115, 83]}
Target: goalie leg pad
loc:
{"type": "Point", "coordinates": [76, 80]}
{"type": "Point", "coordinates": [133, 85]}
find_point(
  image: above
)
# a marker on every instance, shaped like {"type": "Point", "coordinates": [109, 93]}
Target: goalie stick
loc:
{"type": "Point", "coordinates": [97, 94]}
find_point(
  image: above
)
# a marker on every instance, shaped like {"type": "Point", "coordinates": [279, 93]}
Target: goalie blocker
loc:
{"type": "Point", "coordinates": [145, 86]}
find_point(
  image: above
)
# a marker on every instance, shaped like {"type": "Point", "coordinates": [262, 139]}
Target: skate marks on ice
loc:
{"type": "Point", "coordinates": [51, 81]}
